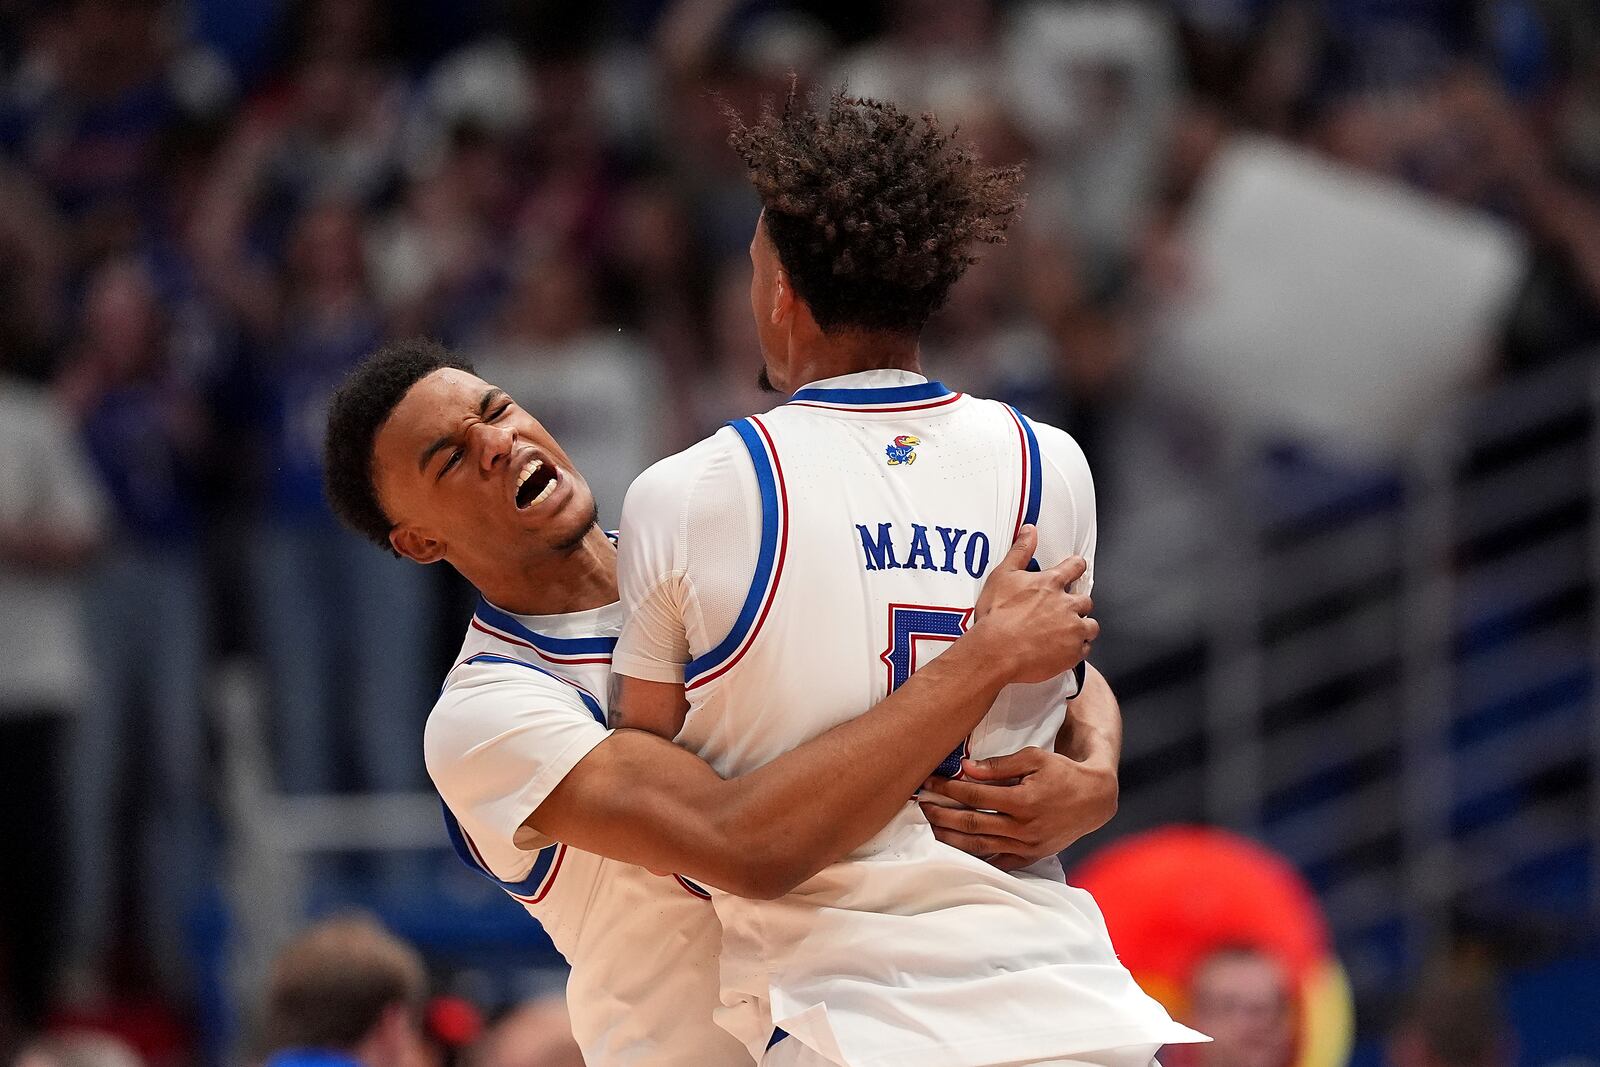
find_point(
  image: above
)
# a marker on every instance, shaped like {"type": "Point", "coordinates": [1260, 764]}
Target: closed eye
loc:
{"type": "Point", "coordinates": [457, 453]}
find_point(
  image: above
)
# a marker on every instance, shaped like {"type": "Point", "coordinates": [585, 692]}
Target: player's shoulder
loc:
{"type": "Point", "coordinates": [676, 469]}
{"type": "Point", "coordinates": [1056, 446]}
{"type": "Point", "coordinates": [669, 486]}
{"type": "Point", "coordinates": [487, 695]}
{"type": "Point", "coordinates": [1059, 447]}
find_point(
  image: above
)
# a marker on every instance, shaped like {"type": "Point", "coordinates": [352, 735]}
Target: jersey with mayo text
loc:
{"type": "Point", "coordinates": [792, 570]}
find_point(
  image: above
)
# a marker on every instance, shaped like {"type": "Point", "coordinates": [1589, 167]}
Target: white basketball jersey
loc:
{"type": "Point", "coordinates": [814, 556]}
{"type": "Point", "coordinates": [524, 703]}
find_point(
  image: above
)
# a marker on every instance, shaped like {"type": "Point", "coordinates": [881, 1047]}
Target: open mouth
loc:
{"type": "Point", "coordinates": [536, 482]}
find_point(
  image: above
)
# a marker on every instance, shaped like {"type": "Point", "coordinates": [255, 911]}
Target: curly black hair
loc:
{"type": "Point", "coordinates": [873, 212]}
{"type": "Point", "coordinates": [360, 406]}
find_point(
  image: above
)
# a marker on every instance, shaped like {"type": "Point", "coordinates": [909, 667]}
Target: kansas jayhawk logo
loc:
{"type": "Point", "coordinates": [903, 451]}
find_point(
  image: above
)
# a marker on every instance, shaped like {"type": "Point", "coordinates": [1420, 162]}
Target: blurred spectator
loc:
{"type": "Point", "coordinates": [345, 993]}
{"type": "Point", "coordinates": [100, 85]}
{"type": "Point", "coordinates": [1244, 1000]}
{"type": "Point", "coordinates": [146, 430]}
{"type": "Point", "coordinates": [1094, 89]}
{"type": "Point", "coordinates": [935, 54]}
{"type": "Point", "coordinates": [32, 275]}
{"type": "Point", "coordinates": [440, 260]}
{"type": "Point", "coordinates": [333, 131]}
{"type": "Point", "coordinates": [536, 1034]}
{"type": "Point", "coordinates": [595, 388]}
{"type": "Point", "coordinates": [75, 1049]}
{"type": "Point", "coordinates": [52, 519]}
{"type": "Point", "coordinates": [1454, 1019]}
{"type": "Point", "coordinates": [344, 633]}
{"type": "Point", "coordinates": [651, 259]}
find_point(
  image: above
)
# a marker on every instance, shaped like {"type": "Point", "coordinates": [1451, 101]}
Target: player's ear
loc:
{"type": "Point", "coordinates": [415, 546]}
{"type": "Point", "coordinates": [782, 297]}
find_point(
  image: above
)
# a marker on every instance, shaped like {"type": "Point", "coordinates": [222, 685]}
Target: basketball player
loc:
{"type": "Point", "coordinates": [428, 460]}
{"type": "Point", "coordinates": [798, 565]}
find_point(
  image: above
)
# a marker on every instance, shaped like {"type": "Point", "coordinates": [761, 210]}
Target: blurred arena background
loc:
{"type": "Point", "coordinates": [1316, 283]}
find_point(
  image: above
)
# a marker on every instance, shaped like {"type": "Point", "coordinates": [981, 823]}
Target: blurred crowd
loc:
{"type": "Point", "coordinates": [209, 211]}
{"type": "Point", "coordinates": [346, 992]}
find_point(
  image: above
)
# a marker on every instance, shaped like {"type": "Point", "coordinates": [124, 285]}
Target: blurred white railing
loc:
{"type": "Point", "coordinates": [1399, 692]}
{"type": "Point", "coordinates": [273, 839]}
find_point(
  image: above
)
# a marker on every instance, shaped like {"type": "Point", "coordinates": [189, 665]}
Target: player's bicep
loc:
{"type": "Point", "coordinates": [640, 704]}
{"type": "Point", "coordinates": [654, 643]}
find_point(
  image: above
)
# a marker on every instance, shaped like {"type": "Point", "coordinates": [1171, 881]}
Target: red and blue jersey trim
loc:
{"type": "Point", "coordinates": [547, 861]}
{"type": "Point", "coordinates": [589, 700]}
{"type": "Point", "coordinates": [693, 888]}
{"type": "Point", "coordinates": [897, 398]}
{"type": "Point", "coordinates": [1028, 508]}
{"type": "Point", "coordinates": [769, 562]}
{"type": "Point", "coordinates": [530, 890]}
{"type": "Point", "coordinates": [564, 651]}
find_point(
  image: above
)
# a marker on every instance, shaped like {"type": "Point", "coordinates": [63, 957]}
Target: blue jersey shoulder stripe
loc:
{"type": "Point", "coordinates": [588, 700]}
{"type": "Point", "coordinates": [542, 860]}
{"type": "Point", "coordinates": [556, 646]}
{"type": "Point", "coordinates": [1031, 512]}
{"type": "Point", "coordinates": [751, 438]}
{"type": "Point", "coordinates": [894, 394]}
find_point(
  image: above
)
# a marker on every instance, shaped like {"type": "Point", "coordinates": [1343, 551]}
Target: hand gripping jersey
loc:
{"type": "Point", "coordinates": [792, 570]}
{"type": "Point", "coordinates": [523, 705]}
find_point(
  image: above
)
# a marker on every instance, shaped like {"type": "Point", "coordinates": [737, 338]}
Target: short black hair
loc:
{"type": "Point", "coordinates": [360, 406]}
{"type": "Point", "coordinates": [873, 213]}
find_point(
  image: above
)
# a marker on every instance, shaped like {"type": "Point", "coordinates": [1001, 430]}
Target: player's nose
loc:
{"type": "Point", "coordinates": [493, 443]}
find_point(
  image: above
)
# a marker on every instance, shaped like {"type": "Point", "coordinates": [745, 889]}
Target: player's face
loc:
{"type": "Point", "coordinates": [770, 301]}
{"type": "Point", "coordinates": [471, 477]}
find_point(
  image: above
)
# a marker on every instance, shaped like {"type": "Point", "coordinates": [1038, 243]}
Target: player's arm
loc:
{"type": "Point", "coordinates": [639, 798]}
{"type": "Point", "coordinates": [1025, 806]}
{"type": "Point", "coordinates": [650, 706]}
{"type": "Point", "coordinates": [1018, 809]}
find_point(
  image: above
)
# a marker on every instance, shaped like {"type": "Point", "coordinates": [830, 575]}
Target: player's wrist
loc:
{"type": "Point", "coordinates": [992, 651]}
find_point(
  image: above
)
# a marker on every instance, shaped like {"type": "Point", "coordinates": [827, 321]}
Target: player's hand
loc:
{"type": "Point", "coordinates": [1015, 810]}
{"type": "Point", "coordinates": [1032, 622]}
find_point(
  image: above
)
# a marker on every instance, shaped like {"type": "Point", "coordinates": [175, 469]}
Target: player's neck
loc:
{"type": "Point", "coordinates": [832, 355]}
{"type": "Point", "coordinates": [579, 579]}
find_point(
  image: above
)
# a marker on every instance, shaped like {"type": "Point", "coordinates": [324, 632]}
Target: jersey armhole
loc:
{"type": "Point", "coordinates": [770, 556]}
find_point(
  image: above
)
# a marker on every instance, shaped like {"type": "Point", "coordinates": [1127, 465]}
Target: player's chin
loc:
{"type": "Point", "coordinates": [565, 516]}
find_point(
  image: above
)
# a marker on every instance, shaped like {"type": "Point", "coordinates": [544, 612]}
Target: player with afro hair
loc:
{"type": "Point", "coordinates": [873, 213]}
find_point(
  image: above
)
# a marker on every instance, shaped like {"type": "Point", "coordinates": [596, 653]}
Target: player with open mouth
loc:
{"type": "Point", "coordinates": [568, 816]}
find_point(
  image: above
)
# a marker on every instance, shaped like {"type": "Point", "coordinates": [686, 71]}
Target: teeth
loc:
{"type": "Point", "coordinates": [549, 488]}
{"type": "Point", "coordinates": [529, 471]}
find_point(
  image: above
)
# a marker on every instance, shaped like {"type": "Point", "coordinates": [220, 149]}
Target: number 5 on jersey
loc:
{"type": "Point", "coordinates": [913, 623]}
